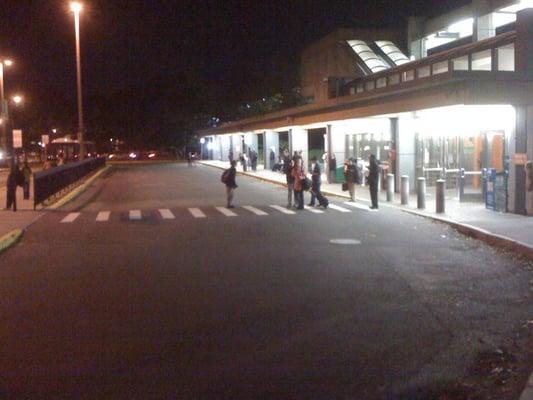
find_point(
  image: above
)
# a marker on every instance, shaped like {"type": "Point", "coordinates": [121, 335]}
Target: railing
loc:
{"type": "Point", "coordinates": [493, 54]}
{"type": "Point", "coordinates": [50, 182]}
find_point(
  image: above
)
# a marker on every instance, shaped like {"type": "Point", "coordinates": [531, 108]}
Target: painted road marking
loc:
{"type": "Point", "coordinates": [345, 241]}
{"type": "Point", "coordinates": [226, 211]}
{"type": "Point", "coordinates": [135, 215]}
{"type": "Point", "coordinates": [103, 216]}
{"type": "Point", "coordinates": [283, 210]}
{"type": "Point", "coordinates": [341, 209]}
{"type": "Point", "coordinates": [359, 206]}
{"type": "Point", "coordinates": [196, 213]}
{"type": "Point", "coordinates": [254, 210]}
{"type": "Point", "coordinates": [70, 218]}
{"type": "Point", "coordinates": [166, 213]}
{"type": "Point", "coordinates": [314, 210]}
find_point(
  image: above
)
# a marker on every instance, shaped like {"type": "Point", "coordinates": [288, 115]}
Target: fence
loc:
{"type": "Point", "coordinates": [49, 182]}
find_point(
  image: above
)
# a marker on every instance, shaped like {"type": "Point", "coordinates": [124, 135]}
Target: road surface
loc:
{"type": "Point", "coordinates": [146, 287]}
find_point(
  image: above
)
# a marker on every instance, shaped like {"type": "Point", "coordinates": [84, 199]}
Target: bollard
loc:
{"type": "Point", "coordinates": [404, 188]}
{"type": "Point", "coordinates": [440, 206]}
{"type": "Point", "coordinates": [421, 193]}
{"type": "Point", "coordinates": [390, 187]}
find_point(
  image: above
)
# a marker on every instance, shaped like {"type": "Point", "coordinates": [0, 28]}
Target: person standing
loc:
{"type": "Point", "coordinates": [351, 177]}
{"type": "Point", "coordinates": [373, 180]}
{"type": "Point", "coordinates": [316, 181]}
{"type": "Point", "coordinates": [272, 158]}
{"type": "Point", "coordinates": [253, 160]}
{"type": "Point", "coordinates": [26, 171]}
{"type": "Point", "coordinates": [231, 184]}
{"type": "Point", "coordinates": [298, 173]}
{"type": "Point", "coordinates": [287, 169]}
{"type": "Point", "coordinates": [11, 198]}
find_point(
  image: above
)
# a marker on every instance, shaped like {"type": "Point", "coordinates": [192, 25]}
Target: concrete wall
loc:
{"type": "Point", "coordinates": [406, 151]}
{"type": "Point", "coordinates": [300, 143]}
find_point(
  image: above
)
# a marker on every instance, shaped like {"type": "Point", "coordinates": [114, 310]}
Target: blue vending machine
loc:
{"type": "Point", "coordinates": [490, 194]}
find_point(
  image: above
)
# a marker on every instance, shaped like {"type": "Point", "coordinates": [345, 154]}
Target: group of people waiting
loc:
{"type": "Point", "coordinates": [17, 177]}
{"type": "Point", "coordinates": [298, 182]}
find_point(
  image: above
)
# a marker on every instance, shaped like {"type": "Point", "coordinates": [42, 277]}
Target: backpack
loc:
{"type": "Point", "coordinates": [224, 177]}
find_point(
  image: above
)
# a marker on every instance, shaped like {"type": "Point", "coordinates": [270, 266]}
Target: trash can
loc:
{"type": "Point", "coordinates": [339, 175]}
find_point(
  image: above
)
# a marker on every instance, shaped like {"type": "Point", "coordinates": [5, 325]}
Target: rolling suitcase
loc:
{"type": "Point", "coordinates": [322, 200]}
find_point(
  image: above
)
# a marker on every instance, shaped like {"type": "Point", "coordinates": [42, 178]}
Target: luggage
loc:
{"type": "Point", "coordinates": [322, 200]}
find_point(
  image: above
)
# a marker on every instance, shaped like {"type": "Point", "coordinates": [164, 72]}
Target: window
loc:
{"type": "Point", "coordinates": [440, 67]}
{"type": "Point", "coordinates": [394, 79]}
{"type": "Point", "coordinates": [460, 63]}
{"type": "Point", "coordinates": [408, 76]}
{"type": "Point", "coordinates": [370, 86]}
{"type": "Point", "coordinates": [360, 88]}
{"type": "Point", "coordinates": [482, 61]}
{"type": "Point", "coordinates": [352, 90]}
{"type": "Point", "coordinates": [381, 82]}
{"type": "Point", "coordinates": [423, 72]}
{"type": "Point", "coordinates": [506, 57]}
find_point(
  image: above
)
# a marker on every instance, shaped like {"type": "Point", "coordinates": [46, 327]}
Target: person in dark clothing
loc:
{"type": "Point", "coordinates": [287, 169]}
{"type": "Point", "coordinates": [316, 181]}
{"type": "Point", "coordinates": [12, 187]}
{"type": "Point", "coordinates": [231, 185]}
{"type": "Point", "coordinates": [26, 171]}
{"type": "Point", "coordinates": [253, 160]}
{"type": "Point", "coordinates": [373, 180]}
{"type": "Point", "coordinates": [272, 158]}
{"type": "Point", "coordinates": [351, 176]}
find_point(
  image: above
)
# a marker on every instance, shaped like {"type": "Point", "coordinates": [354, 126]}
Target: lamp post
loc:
{"type": "Point", "coordinates": [76, 10]}
{"type": "Point", "coordinates": [3, 105]}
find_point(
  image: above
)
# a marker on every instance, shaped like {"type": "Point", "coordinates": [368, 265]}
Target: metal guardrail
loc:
{"type": "Point", "coordinates": [472, 196]}
{"type": "Point", "coordinates": [50, 182]}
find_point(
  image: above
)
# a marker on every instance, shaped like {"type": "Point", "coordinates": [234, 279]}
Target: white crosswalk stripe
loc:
{"type": "Point", "coordinates": [166, 213]}
{"type": "Point", "coordinates": [197, 213]}
{"type": "Point", "coordinates": [359, 206]}
{"type": "Point", "coordinates": [70, 218]}
{"type": "Point", "coordinates": [254, 210]}
{"type": "Point", "coordinates": [283, 210]}
{"type": "Point", "coordinates": [135, 215]}
{"type": "Point", "coordinates": [314, 210]}
{"type": "Point", "coordinates": [103, 216]}
{"type": "Point", "coordinates": [338, 208]}
{"type": "Point", "coordinates": [226, 211]}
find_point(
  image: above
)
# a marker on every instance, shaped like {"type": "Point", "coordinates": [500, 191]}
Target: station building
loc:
{"type": "Point", "coordinates": [451, 98]}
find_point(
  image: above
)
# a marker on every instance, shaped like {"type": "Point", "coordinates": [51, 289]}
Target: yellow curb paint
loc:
{"type": "Point", "coordinates": [78, 190]}
{"type": "Point", "coordinates": [10, 239]}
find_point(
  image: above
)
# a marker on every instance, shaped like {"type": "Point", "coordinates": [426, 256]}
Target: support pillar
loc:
{"type": "Point", "coordinates": [300, 143]}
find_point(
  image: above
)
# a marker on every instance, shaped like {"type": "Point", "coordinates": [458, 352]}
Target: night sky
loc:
{"type": "Point", "coordinates": [148, 65]}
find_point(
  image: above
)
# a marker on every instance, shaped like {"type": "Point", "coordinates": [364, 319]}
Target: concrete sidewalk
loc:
{"type": "Point", "coordinates": [509, 231]}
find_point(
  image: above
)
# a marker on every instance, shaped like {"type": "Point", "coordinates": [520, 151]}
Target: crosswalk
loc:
{"type": "Point", "coordinates": [202, 213]}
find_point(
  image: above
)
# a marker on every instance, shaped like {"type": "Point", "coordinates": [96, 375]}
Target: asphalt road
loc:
{"type": "Point", "coordinates": [249, 306]}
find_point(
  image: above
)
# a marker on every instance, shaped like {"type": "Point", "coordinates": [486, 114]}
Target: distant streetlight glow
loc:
{"type": "Point", "coordinates": [8, 63]}
{"type": "Point", "coordinates": [76, 7]}
{"type": "Point", "coordinates": [17, 99]}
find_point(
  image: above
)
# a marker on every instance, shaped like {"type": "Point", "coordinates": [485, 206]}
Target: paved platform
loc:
{"type": "Point", "coordinates": [516, 228]}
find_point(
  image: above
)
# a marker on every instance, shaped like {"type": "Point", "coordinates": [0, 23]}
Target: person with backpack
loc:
{"type": "Point", "coordinates": [228, 178]}
{"type": "Point", "coordinates": [351, 175]}
{"type": "Point", "coordinates": [287, 169]}
{"type": "Point", "coordinates": [26, 171]}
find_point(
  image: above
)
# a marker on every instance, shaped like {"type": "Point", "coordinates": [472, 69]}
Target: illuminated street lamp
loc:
{"type": "Point", "coordinates": [76, 9]}
{"type": "Point", "coordinates": [17, 99]}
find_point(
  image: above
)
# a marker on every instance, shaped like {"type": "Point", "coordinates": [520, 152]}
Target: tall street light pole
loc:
{"type": "Point", "coordinates": [76, 9]}
{"type": "Point", "coordinates": [3, 106]}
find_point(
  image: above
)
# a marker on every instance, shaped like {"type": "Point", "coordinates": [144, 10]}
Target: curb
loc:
{"type": "Point", "coordinates": [10, 239]}
{"type": "Point", "coordinates": [143, 162]}
{"type": "Point", "coordinates": [527, 394]}
{"type": "Point", "coordinates": [493, 239]}
{"type": "Point", "coordinates": [77, 191]}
